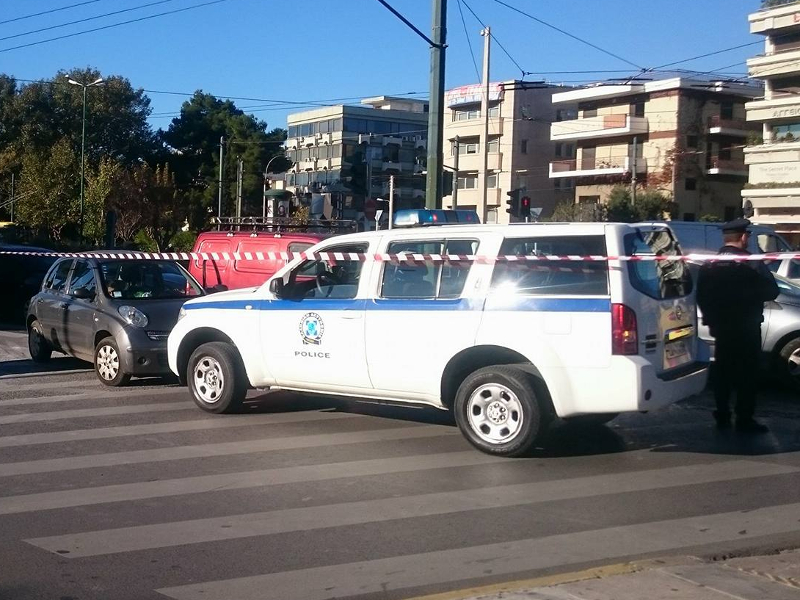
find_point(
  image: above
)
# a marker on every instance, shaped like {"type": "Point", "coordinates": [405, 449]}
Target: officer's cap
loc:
{"type": "Point", "coordinates": [736, 226]}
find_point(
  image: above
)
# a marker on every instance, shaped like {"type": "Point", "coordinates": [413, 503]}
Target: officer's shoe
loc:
{"type": "Point", "coordinates": [750, 426]}
{"type": "Point", "coordinates": [723, 419]}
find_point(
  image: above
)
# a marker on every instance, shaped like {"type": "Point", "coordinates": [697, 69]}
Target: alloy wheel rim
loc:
{"type": "Point", "coordinates": [208, 380]}
{"type": "Point", "coordinates": [793, 363]}
{"type": "Point", "coordinates": [495, 413]}
{"type": "Point", "coordinates": [107, 362]}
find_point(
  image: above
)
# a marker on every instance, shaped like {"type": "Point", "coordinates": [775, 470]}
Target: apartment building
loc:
{"type": "Point", "coordinates": [518, 145]}
{"type": "Point", "coordinates": [772, 195]}
{"type": "Point", "coordinates": [683, 136]}
{"type": "Point", "coordinates": [350, 152]}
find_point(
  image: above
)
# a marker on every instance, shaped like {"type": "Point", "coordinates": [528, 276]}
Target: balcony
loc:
{"type": "Point", "coordinates": [391, 140]}
{"type": "Point", "coordinates": [307, 165]}
{"type": "Point", "coordinates": [780, 106]}
{"type": "Point", "coordinates": [594, 168]}
{"type": "Point", "coordinates": [324, 138]}
{"type": "Point", "coordinates": [731, 127]}
{"type": "Point", "coordinates": [474, 197]}
{"type": "Point", "coordinates": [776, 19]}
{"type": "Point", "coordinates": [420, 144]}
{"type": "Point", "coordinates": [308, 140]}
{"type": "Point", "coordinates": [775, 64]}
{"type": "Point", "coordinates": [601, 126]}
{"type": "Point", "coordinates": [474, 162]}
{"type": "Point", "coordinates": [472, 128]}
{"type": "Point", "coordinates": [726, 166]}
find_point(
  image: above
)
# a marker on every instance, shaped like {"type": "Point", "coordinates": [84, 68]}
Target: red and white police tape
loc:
{"type": "Point", "coordinates": [404, 257]}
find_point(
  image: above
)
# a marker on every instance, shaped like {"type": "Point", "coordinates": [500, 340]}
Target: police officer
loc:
{"type": "Point", "coordinates": [731, 295]}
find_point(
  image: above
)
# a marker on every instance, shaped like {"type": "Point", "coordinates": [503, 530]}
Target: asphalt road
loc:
{"type": "Point", "coordinates": [136, 494]}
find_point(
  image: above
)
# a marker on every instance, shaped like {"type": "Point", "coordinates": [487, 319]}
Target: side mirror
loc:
{"type": "Point", "coordinates": [220, 287]}
{"type": "Point", "coordinates": [82, 294]}
{"type": "Point", "coordinates": [276, 287]}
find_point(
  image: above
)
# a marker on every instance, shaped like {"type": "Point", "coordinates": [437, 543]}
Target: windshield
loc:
{"type": "Point", "coordinates": [128, 279]}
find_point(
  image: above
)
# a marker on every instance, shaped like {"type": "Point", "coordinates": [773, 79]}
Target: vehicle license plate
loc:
{"type": "Point", "coordinates": [676, 353]}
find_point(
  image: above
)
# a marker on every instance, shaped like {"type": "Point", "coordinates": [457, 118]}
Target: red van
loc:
{"type": "Point", "coordinates": [253, 234]}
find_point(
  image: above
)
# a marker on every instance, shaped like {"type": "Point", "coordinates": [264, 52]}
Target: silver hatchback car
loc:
{"type": "Point", "coordinates": [114, 312]}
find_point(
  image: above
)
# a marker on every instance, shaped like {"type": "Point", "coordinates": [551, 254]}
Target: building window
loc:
{"type": "Point", "coordinates": [468, 182]}
{"type": "Point", "coordinates": [494, 146]}
{"type": "Point", "coordinates": [690, 184]}
{"type": "Point", "coordinates": [569, 150]}
{"type": "Point", "coordinates": [726, 110]}
{"type": "Point", "coordinates": [491, 180]}
{"type": "Point", "coordinates": [589, 112]}
{"type": "Point", "coordinates": [465, 115]}
{"type": "Point", "coordinates": [691, 141]}
{"type": "Point", "coordinates": [559, 149]}
{"type": "Point", "coordinates": [494, 111]}
{"type": "Point", "coordinates": [637, 109]}
{"type": "Point", "coordinates": [524, 146]}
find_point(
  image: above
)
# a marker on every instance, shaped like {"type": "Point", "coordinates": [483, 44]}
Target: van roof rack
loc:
{"type": "Point", "coordinates": [277, 224]}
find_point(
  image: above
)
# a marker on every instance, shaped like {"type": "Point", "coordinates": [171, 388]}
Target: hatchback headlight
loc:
{"type": "Point", "coordinates": [181, 313]}
{"type": "Point", "coordinates": [133, 316]}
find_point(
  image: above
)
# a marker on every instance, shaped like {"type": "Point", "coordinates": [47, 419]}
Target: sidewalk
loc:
{"type": "Point", "coordinates": [773, 577]}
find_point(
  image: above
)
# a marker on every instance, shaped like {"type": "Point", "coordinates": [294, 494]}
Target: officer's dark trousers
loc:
{"type": "Point", "coordinates": [736, 361]}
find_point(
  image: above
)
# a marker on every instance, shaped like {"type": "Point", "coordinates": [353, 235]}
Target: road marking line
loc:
{"type": "Point", "coordinates": [236, 481]}
{"type": "Point", "coordinates": [108, 411]}
{"type": "Point", "coordinates": [270, 444]}
{"type": "Point", "coordinates": [210, 423]}
{"type": "Point", "coordinates": [162, 535]}
{"type": "Point", "coordinates": [501, 559]}
{"type": "Point", "coordinates": [88, 395]}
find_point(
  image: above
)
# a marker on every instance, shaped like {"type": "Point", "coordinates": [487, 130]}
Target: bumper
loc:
{"type": "Point", "coordinates": [143, 356]}
{"type": "Point", "coordinates": [631, 385]}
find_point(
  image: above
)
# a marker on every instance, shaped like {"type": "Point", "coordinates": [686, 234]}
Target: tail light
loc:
{"type": "Point", "coordinates": [624, 336]}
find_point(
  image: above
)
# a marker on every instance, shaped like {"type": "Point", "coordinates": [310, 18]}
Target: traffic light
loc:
{"type": "Point", "coordinates": [513, 202]}
{"type": "Point", "coordinates": [525, 207]}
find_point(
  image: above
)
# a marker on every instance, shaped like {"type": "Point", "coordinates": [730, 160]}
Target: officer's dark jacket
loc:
{"type": "Point", "coordinates": [731, 294]}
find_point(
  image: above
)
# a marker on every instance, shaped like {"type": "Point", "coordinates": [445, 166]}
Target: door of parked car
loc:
{"type": "Point", "coordinates": [80, 309]}
{"type": "Point", "coordinates": [51, 302]}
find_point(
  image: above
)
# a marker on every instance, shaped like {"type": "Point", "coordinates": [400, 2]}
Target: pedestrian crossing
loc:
{"type": "Point", "coordinates": [136, 493]}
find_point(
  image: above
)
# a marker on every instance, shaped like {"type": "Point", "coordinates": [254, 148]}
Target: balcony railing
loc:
{"type": "Point", "coordinates": [599, 126]}
{"type": "Point", "coordinates": [596, 167]}
{"type": "Point", "coordinates": [726, 166]}
{"type": "Point", "coordinates": [718, 121]}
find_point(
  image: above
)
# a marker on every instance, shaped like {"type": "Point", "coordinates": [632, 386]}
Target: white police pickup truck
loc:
{"type": "Point", "coordinates": [507, 345]}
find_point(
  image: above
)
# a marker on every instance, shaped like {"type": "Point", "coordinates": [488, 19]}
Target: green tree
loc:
{"type": "Point", "coordinates": [193, 138]}
{"type": "Point", "coordinates": [48, 189]}
{"type": "Point", "coordinates": [651, 205]}
{"type": "Point", "coordinates": [100, 186]}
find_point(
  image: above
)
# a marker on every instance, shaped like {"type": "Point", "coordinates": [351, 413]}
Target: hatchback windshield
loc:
{"type": "Point", "coordinates": [128, 279]}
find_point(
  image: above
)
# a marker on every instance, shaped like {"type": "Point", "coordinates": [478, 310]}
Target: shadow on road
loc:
{"type": "Point", "coordinates": [28, 367]}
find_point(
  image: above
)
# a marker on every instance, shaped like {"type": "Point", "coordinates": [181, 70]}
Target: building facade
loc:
{"type": "Point", "coordinates": [518, 148]}
{"type": "Point", "coordinates": [681, 136]}
{"type": "Point", "coordinates": [349, 152]}
{"type": "Point", "coordinates": [772, 195]}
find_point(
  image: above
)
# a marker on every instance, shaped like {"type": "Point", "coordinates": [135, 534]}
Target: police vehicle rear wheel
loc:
{"type": "Point", "coordinates": [497, 410]}
{"type": "Point", "coordinates": [216, 378]}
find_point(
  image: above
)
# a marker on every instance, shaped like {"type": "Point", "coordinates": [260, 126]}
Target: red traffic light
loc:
{"type": "Point", "coordinates": [526, 201]}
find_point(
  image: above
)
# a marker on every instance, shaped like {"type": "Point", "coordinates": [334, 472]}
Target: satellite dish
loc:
{"type": "Point", "coordinates": [747, 207]}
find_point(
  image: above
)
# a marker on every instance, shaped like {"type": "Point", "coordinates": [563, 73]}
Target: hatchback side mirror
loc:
{"type": "Point", "coordinates": [276, 287]}
{"type": "Point", "coordinates": [82, 294]}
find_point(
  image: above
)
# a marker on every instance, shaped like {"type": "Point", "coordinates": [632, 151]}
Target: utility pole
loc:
{"type": "Point", "coordinates": [264, 197]}
{"type": "Point", "coordinates": [391, 200]}
{"type": "Point", "coordinates": [486, 32]}
{"type": "Point", "coordinates": [239, 170]}
{"type": "Point", "coordinates": [633, 171]}
{"type": "Point", "coordinates": [221, 156]}
{"type": "Point", "coordinates": [433, 178]}
{"type": "Point", "coordinates": [457, 147]}
{"type": "Point", "coordinates": [12, 197]}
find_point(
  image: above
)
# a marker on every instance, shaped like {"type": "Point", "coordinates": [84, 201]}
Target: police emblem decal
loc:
{"type": "Point", "coordinates": [311, 329]}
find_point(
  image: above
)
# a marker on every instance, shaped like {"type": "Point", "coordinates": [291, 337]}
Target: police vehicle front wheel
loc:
{"type": "Point", "coordinates": [216, 378]}
{"type": "Point", "coordinates": [497, 410]}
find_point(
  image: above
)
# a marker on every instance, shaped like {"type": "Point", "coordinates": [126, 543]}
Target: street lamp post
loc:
{"type": "Point", "coordinates": [264, 201]}
{"type": "Point", "coordinates": [98, 81]}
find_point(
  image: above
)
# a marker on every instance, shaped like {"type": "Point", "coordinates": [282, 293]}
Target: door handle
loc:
{"type": "Point", "coordinates": [351, 314]}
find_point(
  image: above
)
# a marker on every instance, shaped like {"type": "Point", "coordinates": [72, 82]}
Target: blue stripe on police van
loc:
{"type": "Point", "coordinates": [498, 303]}
{"type": "Point", "coordinates": [493, 303]}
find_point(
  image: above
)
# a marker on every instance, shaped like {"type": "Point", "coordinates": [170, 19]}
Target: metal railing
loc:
{"type": "Point", "coordinates": [278, 224]}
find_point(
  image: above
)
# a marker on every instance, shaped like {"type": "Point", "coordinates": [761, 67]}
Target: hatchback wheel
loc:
{"type": "Point", "coordinates": [108, 363]}
{"type": "Point", "coordinates": [38, 346]}
{"type": "Point", "coordinates": [497, 410]}
{"type": "Point", "coordinates": [789, 363]}
{"type": "Point", "coordinates": [216, 378]}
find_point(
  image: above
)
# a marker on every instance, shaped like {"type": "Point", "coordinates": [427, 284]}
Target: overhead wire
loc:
{"type": "Point", "coordinates": [48, 12]}
{"type": "Point", "coordinates": [469, 43]}
{"type": "Point", "coordinates": [112, 25]}
{"type": "Point", "coordinates": [568, 34]}
{"type": "Point", "coordinates": [87, 19]}
{"type": "Point", "coordinates": [496, 41]}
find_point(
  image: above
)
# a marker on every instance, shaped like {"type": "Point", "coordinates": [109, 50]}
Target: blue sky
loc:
{"type": "Point", "coordinates": [301, 50]}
